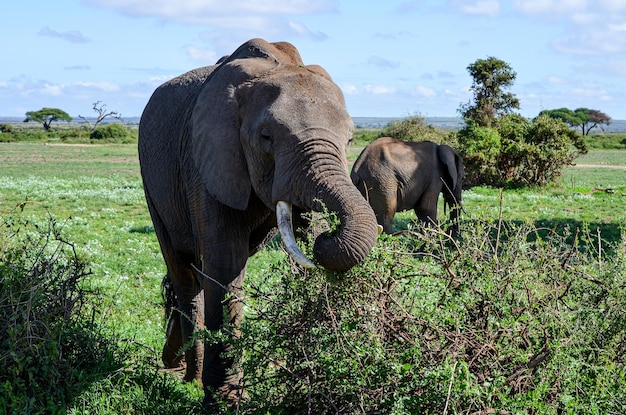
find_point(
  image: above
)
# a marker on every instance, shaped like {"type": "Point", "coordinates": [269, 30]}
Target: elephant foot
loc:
{"type": "Point", "coordinates": [176, 364]}
{"type": "Point", "coordinates": [171, 359]}
{"type": "Point", "coordinates": [232, 396]}
{"type": "Point", "coordinates": [193, 376]}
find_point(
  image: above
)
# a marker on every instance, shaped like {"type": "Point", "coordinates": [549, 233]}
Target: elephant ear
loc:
{"type": "Point", "coordinates": [447, 156]}
{"type": "Point", "coordinates": [214, 135]}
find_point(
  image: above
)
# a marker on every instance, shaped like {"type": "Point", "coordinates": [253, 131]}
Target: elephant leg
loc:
{"type": "Point", "coordinates": [192, 319]}
{"type": "Point", "coordinates": [385, 208]}
{"type": "Point", "coordinates": [187, 318]}
{"type": "Point", "coordinates": [426, 208]}
{"type": "Point", "coordinates": [187, 308]}
{"type": "Point", "coordinates": [221, 373]}
{"type": "Point", "coordinates": [172, 359]}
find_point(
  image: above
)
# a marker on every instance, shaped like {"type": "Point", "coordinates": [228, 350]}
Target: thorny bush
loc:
{"type": "Point", "coordinates": [505, 320]}
{"type": "Point", "coordinates": [46, 341]}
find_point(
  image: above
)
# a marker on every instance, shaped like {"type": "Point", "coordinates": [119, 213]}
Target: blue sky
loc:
{"type": "Point", "coordinates": [391, 59]}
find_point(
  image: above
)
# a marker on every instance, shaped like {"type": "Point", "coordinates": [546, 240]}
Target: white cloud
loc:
{"type": "Point", "coordinates": [102, 86]}
{"type": "Point", "coordinates": [41, 87]}
{"type": "Point", "coordinates": [381, 62]}
{"type": "Point", "coordinates": [204, 56]}
{"type": "Point", "coordinates": [425, 91]}
{"type": "Point", "coordinates": [613, 5]}
{"type": "Point", "coordinates": [490, 8]}
{"type": "Point", "coordinates": [608, 67]}
{"type": "Point", "coordinates": [349, 89]}
{"type": "Point", "coordinates": [550, 8]}
{"type": "Point", "coordinates": [557, 80]}
{"type": "Point", "coordinates": [245, 15]}
{"type": "Point", "coordinates": [379, 89]}
{"type": "Point", "coordinates": [72, 36]}
{"type": "Point", "coordinates": [54, 90]}
{"type": "Point", "coordinates": [590, 28]}
{"type": "Point", "coordinates": [607, 39]}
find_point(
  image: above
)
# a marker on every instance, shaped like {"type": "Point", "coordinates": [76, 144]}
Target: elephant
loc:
{"type": "Point", "coordinates": [395, 176]}
{"type": "Point", "coordinates": [229, 153]}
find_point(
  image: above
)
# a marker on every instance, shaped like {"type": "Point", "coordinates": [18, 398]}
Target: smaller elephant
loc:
{"type": "Point", "coordinates": [395, 176]}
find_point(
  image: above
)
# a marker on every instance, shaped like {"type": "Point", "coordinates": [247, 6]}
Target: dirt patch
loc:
{"type": "Point", "coordinates": [601, 166]}
{"type": "Point", "coordinates": [73, 145]}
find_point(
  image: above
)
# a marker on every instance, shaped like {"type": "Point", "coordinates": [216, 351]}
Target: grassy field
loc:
{"type": "Point", "coordinates": [94, 194]}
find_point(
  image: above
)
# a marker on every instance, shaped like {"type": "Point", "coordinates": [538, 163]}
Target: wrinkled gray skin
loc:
{"type": "Point", "coordinates": [219, 146]}
{"type": "Point", "coordinates": [395, 176]}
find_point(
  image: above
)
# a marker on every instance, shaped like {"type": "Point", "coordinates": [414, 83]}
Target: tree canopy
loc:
{"type": "Point", "coordinates": [47, 116]}
{"type": "Point", "coordinates": [502, 148]}
{"type": "Point", "coordinates": [491, 77]}
{"type": "Point", "coordinates": [585, 118]}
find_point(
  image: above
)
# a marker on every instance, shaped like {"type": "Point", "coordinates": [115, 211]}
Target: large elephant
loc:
{"type": "Point", "coordinates": [395, 176]}
{"type": "Point", "coordinates": [225, 152]}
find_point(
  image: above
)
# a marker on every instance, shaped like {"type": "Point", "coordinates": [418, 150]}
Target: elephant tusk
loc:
{"type": "Point", "coordinates": [285, 227]}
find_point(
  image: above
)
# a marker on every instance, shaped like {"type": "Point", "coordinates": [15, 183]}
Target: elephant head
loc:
{"type": "Point", "coordinates": [226, 151]}
{"type": "Point", "coordinates": [266, 124]}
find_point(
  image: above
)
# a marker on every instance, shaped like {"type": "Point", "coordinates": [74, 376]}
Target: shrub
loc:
{"type": "Point", "coordinates": [47, 345]}
{"type": "Point", "coordinates": [364, 136]}
{"type": "Point", "coordinates": [480, 148]}
{"type": "Point", "coordinates": [500, 321]}
{"type": "Point", "coordinates": [518, 152]}
{"type": "Point", "coordinates": [109, 131]}
{"type": "Point", "coordinates": [550, 144]}
{"type": "Point", "coordinates": [613, 140]}
{"type": "Point", "coordinates": [415, 128]}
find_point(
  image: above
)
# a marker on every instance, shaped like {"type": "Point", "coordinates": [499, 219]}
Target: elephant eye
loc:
{"type": "Point", "coordinates": [265, 134]}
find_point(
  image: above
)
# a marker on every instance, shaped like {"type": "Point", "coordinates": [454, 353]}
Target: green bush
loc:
{"type": "Point", "coordinates": [518, 152]}
{"type": "Point", "coordinates": [499, 321]}
{"type": "Point", "coordinates": [363, 136]}
{"type": "Point", "coordinates": [415, 128]}
{"type": "Point", "coordinates": [55, 357]}
{"type": "Point", "coordinates": [606, 141]}
{"type": "Point", "coordinates": [109, 131]}
{"type": "Point", "coordinates": [549, 145]}
{"type": "Point", "coordinates": [480, 148]}
{"type": "Point", "coordinates": [47, 344]}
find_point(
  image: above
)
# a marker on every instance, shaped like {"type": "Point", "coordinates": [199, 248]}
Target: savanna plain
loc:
{"type": "Point", "coordinates": [524, 313]}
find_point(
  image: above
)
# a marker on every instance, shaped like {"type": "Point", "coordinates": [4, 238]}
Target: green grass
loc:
{"type": "Point", "coordinates": [94, 194]}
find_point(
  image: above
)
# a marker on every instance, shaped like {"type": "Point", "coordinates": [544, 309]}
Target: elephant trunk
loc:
{"type": "Point", "coordinates": [319, 181]}
{"type": "Point", "coordinates": [344, 247]}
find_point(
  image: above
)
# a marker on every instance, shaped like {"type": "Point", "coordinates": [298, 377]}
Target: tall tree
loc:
{"type": "Point", "coordinates": [491, 77]}
{"type": "Point", "coordinates": [585, 118]}
{"type": "Point", "coordinates": [47, 116]}
{"type": "Point", "coordinates": [592, 119]}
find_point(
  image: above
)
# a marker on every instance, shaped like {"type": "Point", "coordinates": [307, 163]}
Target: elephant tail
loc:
{"type": "Point", "coordinates": [169, 297]}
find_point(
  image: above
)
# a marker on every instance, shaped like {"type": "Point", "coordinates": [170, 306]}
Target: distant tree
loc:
{"type": "Point", "coordinates": [585, 118]}
{"type": "Point", "coordinates": [491, 77]}
{"type": "Point", "coordinates": [47, 116]}
{"type": "Point", "coordinates": [594, 118]}
{"type": "Point", "coordinates": [518, 152]}
{"type": "Point", "coordinates": [102, 114]}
